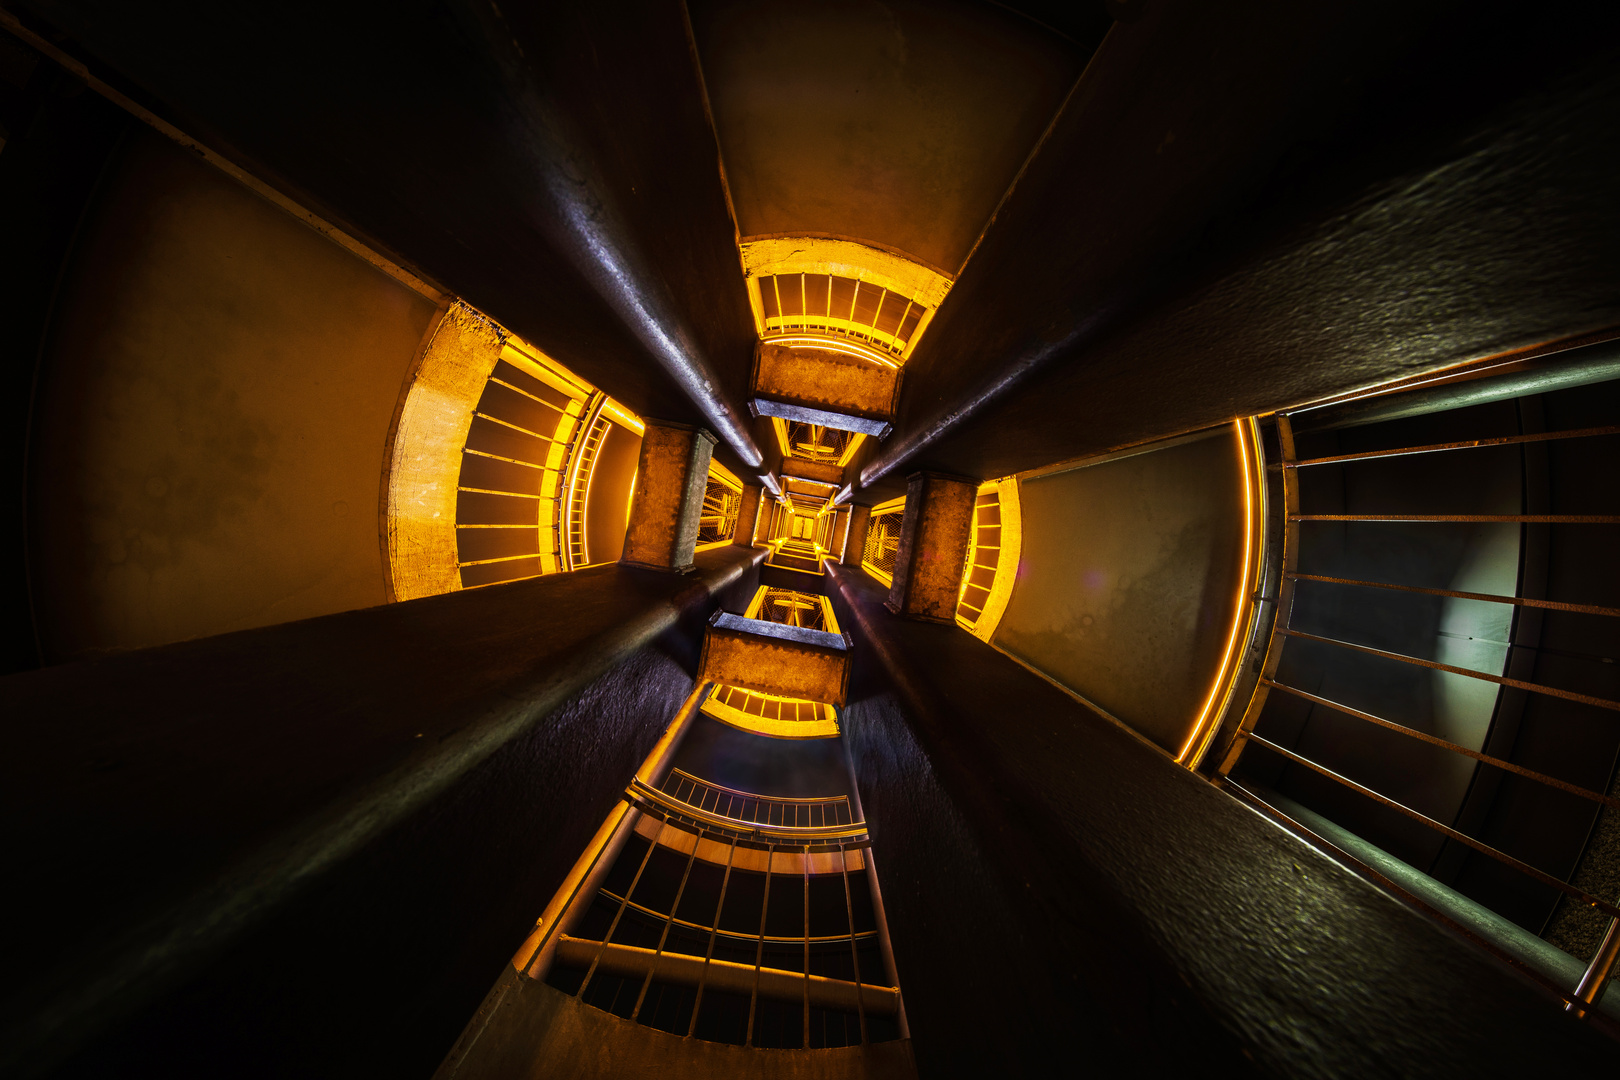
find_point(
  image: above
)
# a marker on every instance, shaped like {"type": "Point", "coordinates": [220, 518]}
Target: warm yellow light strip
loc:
{"type": "Point", "coordinates": [1012, 546]}
{"type": "Point", "coordinates": [845, 258]}
{"type": "Point", "coordinates": [855, 441]}
{"type": "Point", "coordinates": [520, 354]}
{"type": "Point", "coordinates": [1244, 610]}
{"type": "Point", "coordinates": [890, 506]}
{"type": "Point", "coordinates": [829, 343]}
{"type": "Point", "coordinates": [779, 425]}
{"type": "Point", "coordinates": [825, 727]}
{"type": "Point", "coordinates": [719, 472]}
{"type": "Point", "coordinates": [623, 416]}
{"type": "Point", "coordinates": [757, 604]}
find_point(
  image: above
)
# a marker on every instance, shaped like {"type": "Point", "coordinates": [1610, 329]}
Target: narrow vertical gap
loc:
{"type": "Point", "coordinates": [805, 856]}
{"type": "Point", "coordinates": [714, 933]}
{"type": "Point", "coordinates": [614, 925]}
{"type": "Point", "coordinates": [854, 953]}
{"type": "Point", "coordinates": [759, 946]}
{"type": "Point", "coordinates": [663, 937]}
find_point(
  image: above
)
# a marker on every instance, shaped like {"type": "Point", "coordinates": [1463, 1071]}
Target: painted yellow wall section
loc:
{"type": "Point", "coordinates": [984, 627]}
{"type": "Point", "coordinates": [825, 726]}
{"type": "Point", "coordinates": [426, 464]}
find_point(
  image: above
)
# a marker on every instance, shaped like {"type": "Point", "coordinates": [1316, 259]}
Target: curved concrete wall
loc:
{"type": "Point", "coordinates": [1128, 579]}
{"type": "Point", "coordinates": [212, 416]}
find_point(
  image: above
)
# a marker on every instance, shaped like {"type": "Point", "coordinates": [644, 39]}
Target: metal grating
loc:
{"type": "Point", "coordinates": [882, 543]}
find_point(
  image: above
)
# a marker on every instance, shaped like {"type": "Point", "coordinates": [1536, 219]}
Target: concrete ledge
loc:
{"type": "Point", "coordinates": [776, 659]}
{"type": "Point", "coordinates": [161, 803]}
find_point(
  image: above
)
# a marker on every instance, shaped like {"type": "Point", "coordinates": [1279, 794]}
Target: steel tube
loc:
{"type": "Point", "coordinates": [1446, 830]}
{"type": "Point", "coordinates": [1500, 680]}
{"type": "Point", "coordinates": [1434, 740]}
{"type": "Point", "coordinates": [1521, 601]}
{"type": "Point", "coordinates": [1597, 972]}
{"type": "Point", "coordinates": [1505, 440]}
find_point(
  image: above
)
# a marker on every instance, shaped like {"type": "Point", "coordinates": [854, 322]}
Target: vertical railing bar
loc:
{"type": "Point", "coordinates": [759, 949]}
{"type": "Point", "coordinates": [714, 933]}
{"type": "Point", "coordinates": [854, 952]}
{"type": "Point", "coordinates": [614, 925]}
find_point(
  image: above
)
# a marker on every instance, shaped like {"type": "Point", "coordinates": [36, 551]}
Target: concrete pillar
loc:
{"type": "Point", "coordinates": [744, 532]}
{"type": "Point", "coordinates": [855, 538]}
{"type": "Point", "coordinates": [933, 546]}
{"type": "Point", "coordinates": [840, 531]}
{"type": "Point", "coordinates": [668, 500]}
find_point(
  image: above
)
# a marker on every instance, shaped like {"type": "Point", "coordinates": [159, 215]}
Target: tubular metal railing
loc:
{"type": "Point", "coordinates": [1580, 998]}
{"type": "Point", "coordinates": [742, 806]}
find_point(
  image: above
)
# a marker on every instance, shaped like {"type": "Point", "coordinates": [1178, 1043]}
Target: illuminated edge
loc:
{"type": "Point", "coordinates": [424, 470]}
{"type": "Point", "coordinates": [776, 729]}
{"type": "Point", "coordinates": [1012, 548]}
{"type": "Point", "coordinates": [1245, 610]}
{"type": "Point", "coordinates": [844, 258]}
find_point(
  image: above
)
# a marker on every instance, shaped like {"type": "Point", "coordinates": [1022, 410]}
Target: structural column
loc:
{"type": "Point", "coordinates": [747, 515]}
{"type": "Point", "coordinates": [933, 546]}
{"type": "Point", "coordinates": [855, 539]}
{"type": "Point", "coordinates": [668, 500]}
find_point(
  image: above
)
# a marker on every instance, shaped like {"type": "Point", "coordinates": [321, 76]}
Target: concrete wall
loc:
{"type": "Point", "coordinates": [1128, 578]}
{"type": "Point", "coordinates": [211, 416]}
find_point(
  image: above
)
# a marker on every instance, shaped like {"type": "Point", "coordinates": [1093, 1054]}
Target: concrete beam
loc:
{"type": "Point", "coordinates": [830, 382]}
{"type": "Point", "coordinates": [934, 540]}
{"type": "Point", "coordinates": [747, 515]}
{"type": "Point", "coordinates": [776, 659]}
{"type": "Point", "coordinates": [855, 542]}
{"type": "Point", "coordinates": [668, 501]}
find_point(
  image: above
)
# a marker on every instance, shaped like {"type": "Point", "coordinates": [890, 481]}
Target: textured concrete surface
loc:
{"type": "Point", "coordinates": [924, 114]}
{"type": "Point", "coordinates": [215, 780]}
{"type": "Point", "coordinates": [1153, 924]}
{"type": "Point", "coordinates": [824, 380]}
{"type": "Point", "coordinates": [934, 537]}
{"type": "Point", "coordinates": [776, 659]}
{"type": "Point", "coordinates": [668, 499]}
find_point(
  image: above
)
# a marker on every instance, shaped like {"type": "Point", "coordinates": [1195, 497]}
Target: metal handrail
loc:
{"type": "Point", "coordinates": [739, 935]}
{"type": "Point", "coordinates": [751, 795]}
{"type": "Point", "coordinates": [793, 833]}
{"type": "Point", "coordinates": [1470, 444]}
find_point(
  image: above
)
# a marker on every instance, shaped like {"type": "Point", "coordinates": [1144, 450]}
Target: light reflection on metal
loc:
{"type": "Point", "coordinates": [827, 343]}
{"type": "Point", "coordinates": [577, 210]}
{"type": "Point", "coordinates": [1245, 608]}
{"type": "Point", "coordinates": [794, 834]}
